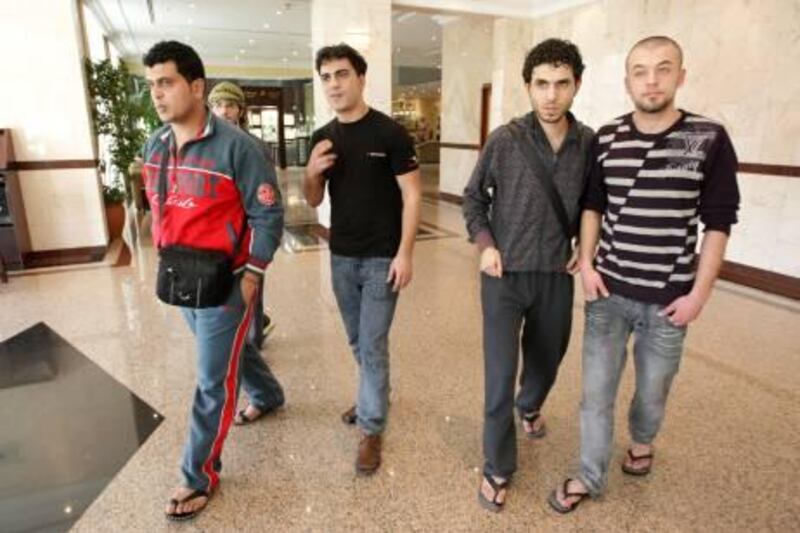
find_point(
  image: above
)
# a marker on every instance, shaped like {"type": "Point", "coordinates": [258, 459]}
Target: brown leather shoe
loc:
{"type": "Point", "coordinates": [369, 454]}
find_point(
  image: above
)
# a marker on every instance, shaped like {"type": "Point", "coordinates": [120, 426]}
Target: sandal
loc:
{"type": "Point", "coordinates": [180, 517]}
{"type": "Point", "coordinates": [492, 505]}
{"type": "Point", "coordinates": [642, 471]}
{"type": "Point", "coordinates": [530, 418]}
{"type": "Point", "coordinates": [564, 509]}
{"type": "Point", "coordinates": [349, 417]}
{"type": "Point", "coordinates": [241, 418]}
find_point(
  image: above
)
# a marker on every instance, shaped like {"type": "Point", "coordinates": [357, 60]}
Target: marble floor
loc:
{"type": "Point", "coordinates": [725, 456]}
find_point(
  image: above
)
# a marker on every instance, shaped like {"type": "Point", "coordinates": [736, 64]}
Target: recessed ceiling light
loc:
{"type": "Point", "coordinates": [285, 59]}
{"type": "Point", "coordinates": [266, 25]}
{"type": "Point", "coordinates": [294, 52]}
{"type": "Point", "coordinates": [242, 51]}
{"type": "Point", "coordinates": [433, 38]}
{"type": "Point", "coordinates": [279, 12]}
{"type": "Point", "coordinates": [192, 6]}
{"type": "Point", "coordinates": [251, 42]}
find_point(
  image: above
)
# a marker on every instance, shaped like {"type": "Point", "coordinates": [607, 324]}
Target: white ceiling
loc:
{"type": "Point", "coordinates": [277, 33]}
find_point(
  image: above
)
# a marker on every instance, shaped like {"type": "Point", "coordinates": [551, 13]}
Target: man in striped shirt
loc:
{"type": "Point", "coordinates": [657, 173]}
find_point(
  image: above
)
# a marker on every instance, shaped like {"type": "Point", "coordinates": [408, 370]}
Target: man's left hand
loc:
{"type": "Point", "coordinates": [249, 287]}
{"type": "Point", "coordinates": [400, 272]}
{"type": "Point", "coordinates": [683, 310]}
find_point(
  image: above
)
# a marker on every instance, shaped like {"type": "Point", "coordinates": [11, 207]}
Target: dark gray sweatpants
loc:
{"type": "Point", "coordinates": [540, 304]}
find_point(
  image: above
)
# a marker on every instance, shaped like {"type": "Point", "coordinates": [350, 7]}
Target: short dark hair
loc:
{"type": "Point", "coordinates": [553, 52]}
{"type": "Point", "coordinates": [342, 51]}
{"type": "Point", "coordinates": [656, 40]}
{"type": "Point", "coordinates": [188, 63]}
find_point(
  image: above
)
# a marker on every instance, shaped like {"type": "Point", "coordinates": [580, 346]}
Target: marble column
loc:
{"type": "Point", "coordinates": [466, 67]}
{"type": "Point", "coordinates": [367, 27]}
{"type": "Point", "coordinates": [512, 39]}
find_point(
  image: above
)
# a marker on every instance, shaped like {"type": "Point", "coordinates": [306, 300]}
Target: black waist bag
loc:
{"type": "Point", "coordinates": [194, 278]}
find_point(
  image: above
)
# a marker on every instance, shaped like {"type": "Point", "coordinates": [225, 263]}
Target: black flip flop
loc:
{"type": "Point", "coordinates": [180, 517]}
{"type": "Point", "coordinates": [492, 505]}
{"type": "Point", "coordinates": [638, 471]}
{"type": "Point", "coordinates": [530, 418]}
{"type": "Point", "coordinates": [564, 509]}
{"type": "Point", "coordinates": [349, 417]}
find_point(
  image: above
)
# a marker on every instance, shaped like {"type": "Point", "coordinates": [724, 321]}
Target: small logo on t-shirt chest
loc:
{"type": "Point", "coordinates": [376, 154]}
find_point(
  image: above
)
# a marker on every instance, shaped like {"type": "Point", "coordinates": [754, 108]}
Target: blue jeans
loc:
{"type": "Point", "coordinates": [367, 303]}
{"type": "Point", "coordinates": [223, 358]}
{"type": "Point", "coordinates": [657, 350]}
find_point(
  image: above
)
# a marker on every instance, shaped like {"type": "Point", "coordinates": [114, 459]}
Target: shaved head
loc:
{"type": "Point", "coordinates": [655, 41]}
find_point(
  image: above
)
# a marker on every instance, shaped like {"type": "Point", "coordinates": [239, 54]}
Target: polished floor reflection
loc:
{"type": "Point", "coordinates": [725, 459]}
{"type": "Point", "coordinates": [68, 428]}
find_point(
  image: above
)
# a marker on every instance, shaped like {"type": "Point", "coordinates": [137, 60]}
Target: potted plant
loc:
{"type": "Point", "coordinates": [122, 110]}
{"type": "Point", "coordinates": [113, 199]}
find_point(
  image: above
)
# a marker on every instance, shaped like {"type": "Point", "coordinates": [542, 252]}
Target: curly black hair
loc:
{"type": "Point", "coordinates": [342, 51]}
{"type": "Point", "coordinates": [553, 52]}
{"type": "Point", "coordinates": [188, 63]}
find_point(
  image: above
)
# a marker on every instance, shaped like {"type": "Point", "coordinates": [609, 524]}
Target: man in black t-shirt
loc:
{"type": "Point", "coordinates": [370, 166]}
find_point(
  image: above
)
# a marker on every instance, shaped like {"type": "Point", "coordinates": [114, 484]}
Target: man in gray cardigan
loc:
{"type": "Point", "coordinates": [527, 258]}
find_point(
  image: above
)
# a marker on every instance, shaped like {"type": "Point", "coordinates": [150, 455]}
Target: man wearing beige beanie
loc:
{"type": "Point", "coordinates": [227, 102]}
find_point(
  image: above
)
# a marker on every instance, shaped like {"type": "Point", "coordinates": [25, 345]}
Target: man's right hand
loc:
{"type": "Point", "coordinates": [320, 159]}
{"type": "Point", "coordinates": [491, 263]}
{"type": "Point", "coordinates": [593, 286]}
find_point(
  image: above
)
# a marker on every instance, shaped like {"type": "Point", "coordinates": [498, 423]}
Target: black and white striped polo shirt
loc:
{"type": "Point", "coordinates": [653, 190]}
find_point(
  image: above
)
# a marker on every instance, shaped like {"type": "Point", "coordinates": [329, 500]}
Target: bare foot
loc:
{"type": "Point", "coordinates": [177, 505]}
{"type": "Point", "coordinates": [643, 454]}
{"type": "Point", "coordinates": [489, 493]}
{"type": "Point", "coordinates": [576, 489]}
{"type": "Point", "coordinates": [533, 427]}
{"type": "Point", "coordinates": [251, 414]}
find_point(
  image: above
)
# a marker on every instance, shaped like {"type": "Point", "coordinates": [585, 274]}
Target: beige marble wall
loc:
{"type": "Point", "coordinates": [44, 103]}
{"type": "Point", "coordinates": [741, 59]}
{"type": "Point", "coordinates": [62, 209]}
{"type": "Point", "coordinates": [512, 40]}
{"type": "Point", "coordinates": [466, 66]}
{"type": "Point", "coordinates": [367, 27]}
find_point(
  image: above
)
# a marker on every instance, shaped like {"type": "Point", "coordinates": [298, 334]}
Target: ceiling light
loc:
{"type": "Point", "coordinates": [279, 12]}
{"type": "Point", "coordinates": [266, 25]}
{"type": "Point", "coordinates": [294, 52]}
{"type": "Point", "coordinates": [285, 59]}
{"type": "Point", "coordinates": [242, 51]}
{"type": "Point", "coordinates": [190, 21]}
{"type": "Point", "coordinates": [192, 6]}
{"type": "Point", "coordinates": [433, 37]}
{"type": "Point", "coordinates": [251, 42]}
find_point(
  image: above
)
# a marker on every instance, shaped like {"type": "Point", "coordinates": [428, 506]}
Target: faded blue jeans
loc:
{"type": "Point", "coordinates": [657, 350]}
{"type": "Point", "coordinates": [367, 303]}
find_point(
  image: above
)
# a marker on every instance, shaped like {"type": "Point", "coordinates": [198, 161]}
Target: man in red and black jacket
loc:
{"type": "Point", "coordinates": [221, 195]}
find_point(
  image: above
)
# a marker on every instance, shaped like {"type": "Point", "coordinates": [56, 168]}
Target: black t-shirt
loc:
{"type": "Point", "coordinates": [366, 204]}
